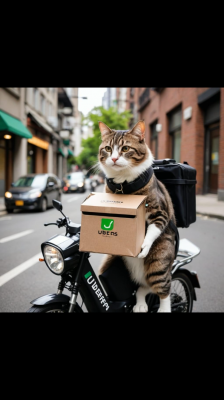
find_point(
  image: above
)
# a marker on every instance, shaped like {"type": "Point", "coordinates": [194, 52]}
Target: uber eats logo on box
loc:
{"type": "Point", "coordinates": [107, 224]}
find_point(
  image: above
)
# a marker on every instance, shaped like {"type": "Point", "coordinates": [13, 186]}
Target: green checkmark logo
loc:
{"type": "Point", "coordinates": [107, 224]}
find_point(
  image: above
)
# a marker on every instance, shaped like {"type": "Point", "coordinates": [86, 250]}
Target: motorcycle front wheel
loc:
{"type": "Point", "coordinates": [54, 308]}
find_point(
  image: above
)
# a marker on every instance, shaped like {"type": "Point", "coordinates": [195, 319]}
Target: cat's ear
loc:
{"type": "Point", "coordinates": [104, 129]}
{"type": "Point", "coordinates": [139, 130]}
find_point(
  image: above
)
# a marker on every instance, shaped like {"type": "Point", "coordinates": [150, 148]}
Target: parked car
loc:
{"type": "Point", "coordinates": [33, 191]}
{"type": "Point", "coordinates": [74, 182]}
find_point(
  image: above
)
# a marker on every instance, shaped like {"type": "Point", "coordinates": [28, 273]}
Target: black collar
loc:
{"type": "Point", "coordinates": [127, 188]}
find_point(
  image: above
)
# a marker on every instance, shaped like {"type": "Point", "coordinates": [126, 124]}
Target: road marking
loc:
{"type": "Point", "coordinates": [5, 218]}
{"type": "Point", "coordinates": [16, 236]}
{"type": "Point", "coordinates": [17, 270]}
{"type": "Point", "coordinates": [73, 199]}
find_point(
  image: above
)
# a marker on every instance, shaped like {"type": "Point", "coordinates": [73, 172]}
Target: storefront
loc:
{"type": "Point", "coordinates": [9, 127]}
{"type": "Point", "coordinates": [209, 102]}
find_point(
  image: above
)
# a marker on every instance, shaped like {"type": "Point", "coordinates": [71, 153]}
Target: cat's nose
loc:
{"type": "Point", "coordinates": [114, 159]}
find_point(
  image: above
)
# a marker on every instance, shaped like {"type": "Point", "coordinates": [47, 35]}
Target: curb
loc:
{"type": "Point", "coordinates": [200, 214]}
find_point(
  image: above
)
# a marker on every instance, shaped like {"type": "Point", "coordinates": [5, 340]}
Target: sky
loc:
{"type": "Point", "coordinates": [94, 99]}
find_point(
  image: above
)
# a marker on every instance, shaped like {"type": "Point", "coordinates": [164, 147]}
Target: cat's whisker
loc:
{"type": "Point", "coordinates": [95, 168]}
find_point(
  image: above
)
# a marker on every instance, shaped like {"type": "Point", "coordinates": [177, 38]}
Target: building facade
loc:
{"type": "Point", "coordinates": [13, 136]}
{"type": "Point", "coordinates": [41, 112]}
{"type": "Point", "coordinates": [110, 98]}
{"type": "Point", "coordinates": [186, 124]}
{"type": "Point", "coordinates": [31, 121]}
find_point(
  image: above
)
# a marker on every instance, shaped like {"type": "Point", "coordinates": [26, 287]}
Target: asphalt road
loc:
{"type": "Point", "coordinates": [36, 280]}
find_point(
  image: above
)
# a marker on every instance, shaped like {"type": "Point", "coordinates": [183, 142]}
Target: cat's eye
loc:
{"type": "Point", "coordinates": [107, 148]}
{"type": "Point", "coordinates": [124, 149]}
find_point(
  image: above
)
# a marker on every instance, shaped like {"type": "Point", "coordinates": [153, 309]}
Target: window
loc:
{"type": "Point", "coordinates": [42, 104]}
{"type": "Point", "coordinates": [175, 118]}
{"type": "Point", "coordinates": [154, 140]}
{"type": "Point", "coordinates": [36, 99]}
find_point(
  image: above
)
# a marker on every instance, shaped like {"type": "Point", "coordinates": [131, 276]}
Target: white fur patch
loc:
{"type": "Point", "coordinates": [136, 268]}
{"type": "Point", "coordinates": [165, 305]}
{"type": "Point", "coordinates": [151, 235]}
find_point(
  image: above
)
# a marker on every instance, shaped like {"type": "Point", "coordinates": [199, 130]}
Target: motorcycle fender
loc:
{"type": "Point", "coordinates": [192, 275]}
{"type": "Point", "coordinates": [51, 298]}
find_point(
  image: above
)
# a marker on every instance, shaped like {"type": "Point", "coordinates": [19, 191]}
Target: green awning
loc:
{"type": "Point", "coordinates": [70, 153]}
{"type": "Point", "coordinates": [13, 125]}
{"type": "Point", "coordinates": [66, 142]}
{"type": "Point", "coordinates": [61, 152]}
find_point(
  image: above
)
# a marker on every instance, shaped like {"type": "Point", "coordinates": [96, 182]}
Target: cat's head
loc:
{"type": "Point", "coordinates": [124, 152]}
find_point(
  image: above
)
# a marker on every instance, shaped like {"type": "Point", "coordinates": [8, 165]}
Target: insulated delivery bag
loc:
{"type": "Point", "coordinates": [180, 181]}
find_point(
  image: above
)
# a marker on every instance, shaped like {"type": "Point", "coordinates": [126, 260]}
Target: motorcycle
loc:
{"type": "Point", "coordinates": [113, 291]}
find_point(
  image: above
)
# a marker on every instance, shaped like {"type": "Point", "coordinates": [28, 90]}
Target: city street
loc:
{"type": "Point", "coordinates": [23, 278]}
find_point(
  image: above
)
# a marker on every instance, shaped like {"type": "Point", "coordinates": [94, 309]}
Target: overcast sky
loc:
{"type": "Point", "coordinates": [94, 96]}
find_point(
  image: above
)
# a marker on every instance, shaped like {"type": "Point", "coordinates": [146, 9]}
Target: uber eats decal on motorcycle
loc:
{"type": "Point", "coordinates": [107, 226]}
{"type": "Point", "coordinates": [91, 281]}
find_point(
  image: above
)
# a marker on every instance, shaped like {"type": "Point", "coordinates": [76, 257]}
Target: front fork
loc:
{"type": "Point", "coordinates": [75, 288]}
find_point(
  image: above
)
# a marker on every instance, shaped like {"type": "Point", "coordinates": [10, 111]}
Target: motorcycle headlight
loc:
{"type": "Point", "coordinates": [54, 259]}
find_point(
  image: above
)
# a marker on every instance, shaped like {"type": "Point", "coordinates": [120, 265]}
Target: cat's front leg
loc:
{"type": "Point", "coordinates": [165, 305]}
{"type": "Point", "coordinates": [141, 305]}
{"type": "Point", "coordinates": [151, 235]}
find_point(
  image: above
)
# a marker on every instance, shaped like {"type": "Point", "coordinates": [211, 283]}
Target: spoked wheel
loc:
{"type": "Point", "coordinates": [182, 293]}
{"type": "Point", "coordinates": [53, 308]}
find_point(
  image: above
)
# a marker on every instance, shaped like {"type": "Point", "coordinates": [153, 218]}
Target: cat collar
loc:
{"type": "Point", "coordinates": [130, 187]}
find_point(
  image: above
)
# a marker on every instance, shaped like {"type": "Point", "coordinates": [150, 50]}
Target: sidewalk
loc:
{"type": "Point", "coordinates": [205, 205]}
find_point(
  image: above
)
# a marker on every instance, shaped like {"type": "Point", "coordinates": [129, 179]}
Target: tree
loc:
{"type": "Point", "coordinates": [88, 158]}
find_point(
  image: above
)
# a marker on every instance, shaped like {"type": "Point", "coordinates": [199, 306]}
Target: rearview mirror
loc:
{"type": "Point", "coordinates": [57, 204]}
{"type": "Point", "coordinates": [50, 184]}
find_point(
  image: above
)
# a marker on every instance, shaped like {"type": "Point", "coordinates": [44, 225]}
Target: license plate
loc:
{"type": "Point", "coordinates": [19, 203]}
{"type": "Point", "coordinates": [73, 188]}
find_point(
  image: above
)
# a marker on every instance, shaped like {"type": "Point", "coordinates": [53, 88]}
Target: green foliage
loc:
{"type": "Point", "coordinates": [114, 120]}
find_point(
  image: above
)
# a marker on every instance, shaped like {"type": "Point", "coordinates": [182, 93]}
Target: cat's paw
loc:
{"type": "Point", "coordinates": [163, 310]}
{"type": "Point", "coordinates": [144, 252]}
{"type": "Point", "coordinates": [140, 307]}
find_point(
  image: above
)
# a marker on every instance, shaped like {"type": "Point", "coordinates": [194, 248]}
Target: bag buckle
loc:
{"type": "Point", "coordinates": [119, 190]}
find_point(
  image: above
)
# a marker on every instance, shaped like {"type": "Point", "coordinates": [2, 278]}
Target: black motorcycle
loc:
{"type": "Point", "coordinates": [113, 291]}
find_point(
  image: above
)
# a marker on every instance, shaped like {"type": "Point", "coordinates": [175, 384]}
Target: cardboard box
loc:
{"type": "Point", "coordinates": [113, 224]}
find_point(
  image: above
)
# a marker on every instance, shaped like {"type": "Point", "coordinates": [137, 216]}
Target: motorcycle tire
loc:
{"type": "Point", "coordinates": [54, 308]}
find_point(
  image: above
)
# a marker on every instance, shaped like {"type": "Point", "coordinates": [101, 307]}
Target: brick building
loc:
{"type": "Point", "coordinates": [186, 124]}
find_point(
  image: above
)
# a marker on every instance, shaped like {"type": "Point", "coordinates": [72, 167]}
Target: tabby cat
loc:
{"type": "Point", "coordinates": [124, 156]}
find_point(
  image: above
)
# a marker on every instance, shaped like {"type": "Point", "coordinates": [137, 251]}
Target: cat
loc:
{"type": "Point", "coordinates": [124, 156]}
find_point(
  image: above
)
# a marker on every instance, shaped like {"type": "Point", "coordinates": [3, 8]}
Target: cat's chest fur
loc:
{"type": "Point", "coordinates": [135, 267]}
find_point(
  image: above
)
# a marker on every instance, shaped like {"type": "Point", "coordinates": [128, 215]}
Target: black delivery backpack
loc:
{"type": "Point", "coordinates": [180, 181]}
